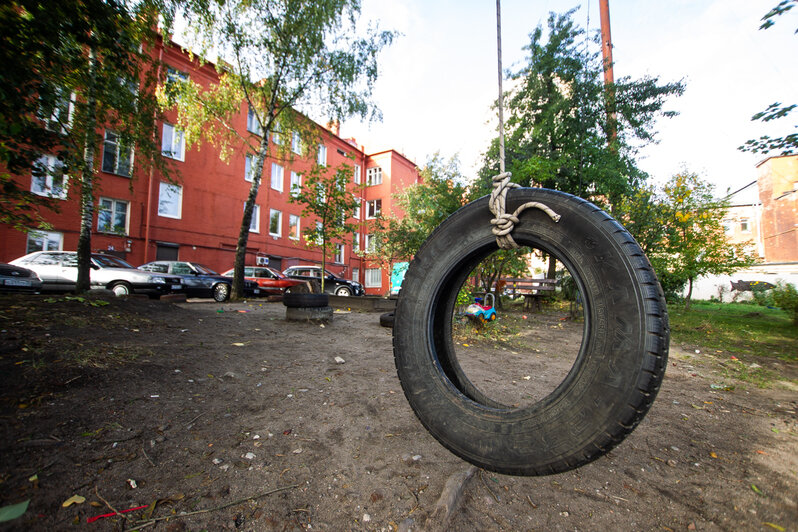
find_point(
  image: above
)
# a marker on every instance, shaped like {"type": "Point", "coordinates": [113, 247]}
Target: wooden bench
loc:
{"type": "Point", "coordinates": [533, 290]}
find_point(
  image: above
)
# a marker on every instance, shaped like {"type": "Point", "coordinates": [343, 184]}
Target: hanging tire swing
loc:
{"type": "Point", "coordinates": [615, 375]}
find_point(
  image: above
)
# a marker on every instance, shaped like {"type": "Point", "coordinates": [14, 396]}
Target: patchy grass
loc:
{"type": "Point", "coordinates": [749, 330]}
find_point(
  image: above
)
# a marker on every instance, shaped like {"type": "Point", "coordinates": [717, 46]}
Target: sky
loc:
{"type": "Point", "coordinates": [439, 79]}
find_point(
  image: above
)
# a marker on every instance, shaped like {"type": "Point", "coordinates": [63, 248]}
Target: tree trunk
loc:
{"type": "Point", "coordinates": [246, 221]}
{"type": "Point", "coordinates": [87, 183]}
{"type": "Point", "coordinates": [689, 294]}
{"type": "Point", "coordinates": [552, 272]}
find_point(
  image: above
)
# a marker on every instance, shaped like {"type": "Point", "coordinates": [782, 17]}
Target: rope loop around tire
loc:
{"type": "Point", "coordinates": [503, 223]}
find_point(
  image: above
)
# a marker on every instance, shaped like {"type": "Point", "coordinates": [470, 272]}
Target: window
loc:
{"type": "Point", "coordinates": [253, 125]}
{"type": "Point", "coordinates": [356, 177]}
{"type": "Point", "coordinates": [356, 274]}
{"type": "Point", "coordinates": [744, 226]}
{"type": "Point", "coordinates": [277, 135]}
{"type": "Point", "coordinates": [321, 158]}
{"type": "Point", "coordinates": [319, 231]}
{"type": "Point", "coordinates": [55, 109]}
{"type": "Point", "coordinates": [296, 183]}
{"type": "Point", "coordinates": [296, 143]}
{"type": "Point", "coordinates": [170, 200]}
{"type": "Point", "coordinates": [370, 243]}
{"type": "Point", "coordinates": [374, 176]}
{"type": "Point", "coordinates": [249, 168]}
{"type": "Point", "coordinates": [339, 253]}
{"type": "Point", "coordinates": [275, 221]}
{"type": "Point", "coordinates": [254, 223]}
{"type": "Point", "coordinates": [44, 241]}
{"type": "Point", "coordinates": [293, 227]}
{"type": "Point", "coordinates": [727, 227]}
{"type": "Point", "coordinates": [172, 142]}
{"type": "Point", "coordinates": [277, 177]}
{"type": "Point", "coordinates": [48, 178]}
{"type": "Point", "coordinates": [117, 158]}
{"type": "Point", "coordinates": [357, 208]}
{"type": "Point", "coordinates": [165, 251]}
{"type": "Point", "coordinates": [112, 216]}
{"type": "Point", "coordinates": [173, 78]}
{"type": "Point", "coordinates": [373, 278]}
{"type": "Point", "coordinates": [355, 241]}
{"type": "Point", "coordinates": [373, 208]}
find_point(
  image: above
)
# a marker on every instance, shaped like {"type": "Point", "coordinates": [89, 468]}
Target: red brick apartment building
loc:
{"type": "Point", "coordinates": [142, 217]}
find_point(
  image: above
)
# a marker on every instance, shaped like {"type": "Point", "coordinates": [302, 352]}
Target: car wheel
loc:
{"type": "Point", "coordinates": [221, 292]}
{"type": "Point", "coordinates": [617, 370]}
{"type": "Point", "coordinates": [305, 300]}
{"type": "Point", "coordinates": [343, 291]}
{"type": "Point", "coordinates": [121, 289]}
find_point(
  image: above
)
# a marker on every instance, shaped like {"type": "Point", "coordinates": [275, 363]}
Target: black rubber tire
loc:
{"type": "Point", "coordinates": [306, 300]}
{"type": "Point", "coordinates": [221, 292]}
{"type": "Point", "coordinates": [386, 320]}
{"type": "Point", "coordinates": [343, 291]}
{"type": "Point", "coordinates": [121, 289]}
{"type": "Point", "coordinates": [617, 372]}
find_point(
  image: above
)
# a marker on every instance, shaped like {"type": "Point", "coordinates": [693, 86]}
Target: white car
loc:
{"type": "Point", "coordinates": [58, 271]}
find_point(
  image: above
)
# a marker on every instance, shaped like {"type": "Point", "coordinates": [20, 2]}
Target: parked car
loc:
{"type": "Point", "coordinates": [199, 280]}
{"type": "Point", "coordinates": [268, 279]}
{"type": "Point", "coordinates": [332, 283]}
{"type": "Point", "coordinates": [58, 271]}
{"type": "Point", "coordinates": [18, 279]}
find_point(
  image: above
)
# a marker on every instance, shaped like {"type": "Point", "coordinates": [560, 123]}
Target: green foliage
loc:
{"type": "Point", "coordinates": [278, 55]}
{"type": "Point", "coordinates": [558, 126]}
{"type": "Point", "coordinates": [785, 296]}
{"type": "Point", "coordinates": [327, 196]}
{"type": "Point", "coordinates": [787, 144]}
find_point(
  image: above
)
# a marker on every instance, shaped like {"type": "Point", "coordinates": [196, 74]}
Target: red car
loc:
{"type": "Point", "coordinates": [270, 281]}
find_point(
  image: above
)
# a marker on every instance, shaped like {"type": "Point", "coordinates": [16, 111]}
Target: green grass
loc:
{"type": "Point", "coordinates": [745, 329]}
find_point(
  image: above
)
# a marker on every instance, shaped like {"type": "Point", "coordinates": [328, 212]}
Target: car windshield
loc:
{"type": "Point", "coordinates": [109, 261]}
{"type": "Point", "coordinates": [203, 269]}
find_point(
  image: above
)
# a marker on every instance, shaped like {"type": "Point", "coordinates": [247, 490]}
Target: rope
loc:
{"type": "Point", "coordinates": [503, 223]}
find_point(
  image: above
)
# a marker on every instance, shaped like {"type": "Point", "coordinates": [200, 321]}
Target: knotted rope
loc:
{"type": "Point", "coordinates": [503, 223]}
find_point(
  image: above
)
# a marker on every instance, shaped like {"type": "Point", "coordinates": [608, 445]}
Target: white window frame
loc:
{"type": "Point", "coordinates": [356, 176]}
{"type": "Point", "coordinates": [294, 220]}
{"type": "Point", "coordinates": [174, 75]}
{"type": "Point", "coordinates": [54, 184]}
{"type": "Point", "coordinates": [321, 157]}
{"type": "Point", "coordinates": [272, 213]}
{"type": "Point", "coordinates": [253, 126]}
{"type": "Point", "coordinates": [115, 144]}
{"type": "Point", "coordinates": [296, 183]}
{"type": "Point", "coordinates": [745, 225]}
{"type": "Point", "coordinates": [358, 207]}
{"type": "Point", "coordinates": [355, 241]}
{"type": "Point", "coordinates": [169, 148]}
{"type": "Point", "coordinates": [277, 133]}
{"type": "Point", "coordinates": [356, 275]}
{"type": "Point", "coordinates": [248, 167]}
{"type": "Point", "coordinates": [44, 241]}
{"type": "Point", "coordinates": [373, 176]}
{"type": "Point", "coordinates": [370, 274]}
{"type": "Point", "coordinates": [319, 227]}
{"type": "Point", "coordinates": [296, 143]}
{"type": "Point", "coordinates": [368, 243]}
{"type": "Point", "coordinates": [63, 104]}
{"type": "Point", "coordinates": [116, 207]}
{"type": "Point", "coordinates": [339, 253]}
{"type": "Point", "coordinates": [373, 208]}
{"type": "Point", "coordinates": [166, 192]}
{"type": "Point", "coordinates": [277, 177]}
{"type": "Point", "coordinates": [254, 224]}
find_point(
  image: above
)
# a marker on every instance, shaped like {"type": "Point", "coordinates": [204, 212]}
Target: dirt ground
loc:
{"type": "Point", "coordinates": [230, 411]}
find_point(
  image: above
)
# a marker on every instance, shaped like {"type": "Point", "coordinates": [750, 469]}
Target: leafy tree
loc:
{"type": "Point", "coordinates": [788, 144]}
{"type": "Point", "coordinates": [283, 54]}
{"type": "Point", "coordinates": [558, 131]}
{"type": "Point", "coordinates": [327, 197]}
{"type": "Point", "coordinates": [73, 69]}
{"type": "Point", "coordinates": [785, 296]}
{"type": "Point", "coordinates": [695, 243]}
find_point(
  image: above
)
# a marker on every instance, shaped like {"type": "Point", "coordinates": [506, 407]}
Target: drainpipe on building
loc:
{"type": "Point", "coordinates": [148, 209]}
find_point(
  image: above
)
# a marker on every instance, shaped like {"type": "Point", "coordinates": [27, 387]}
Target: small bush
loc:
{"type": "Point", "coordinates": [785, 296]}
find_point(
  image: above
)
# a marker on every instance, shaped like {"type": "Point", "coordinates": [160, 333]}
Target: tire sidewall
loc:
{"type": "Point", "coordinates": [604, 387]}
